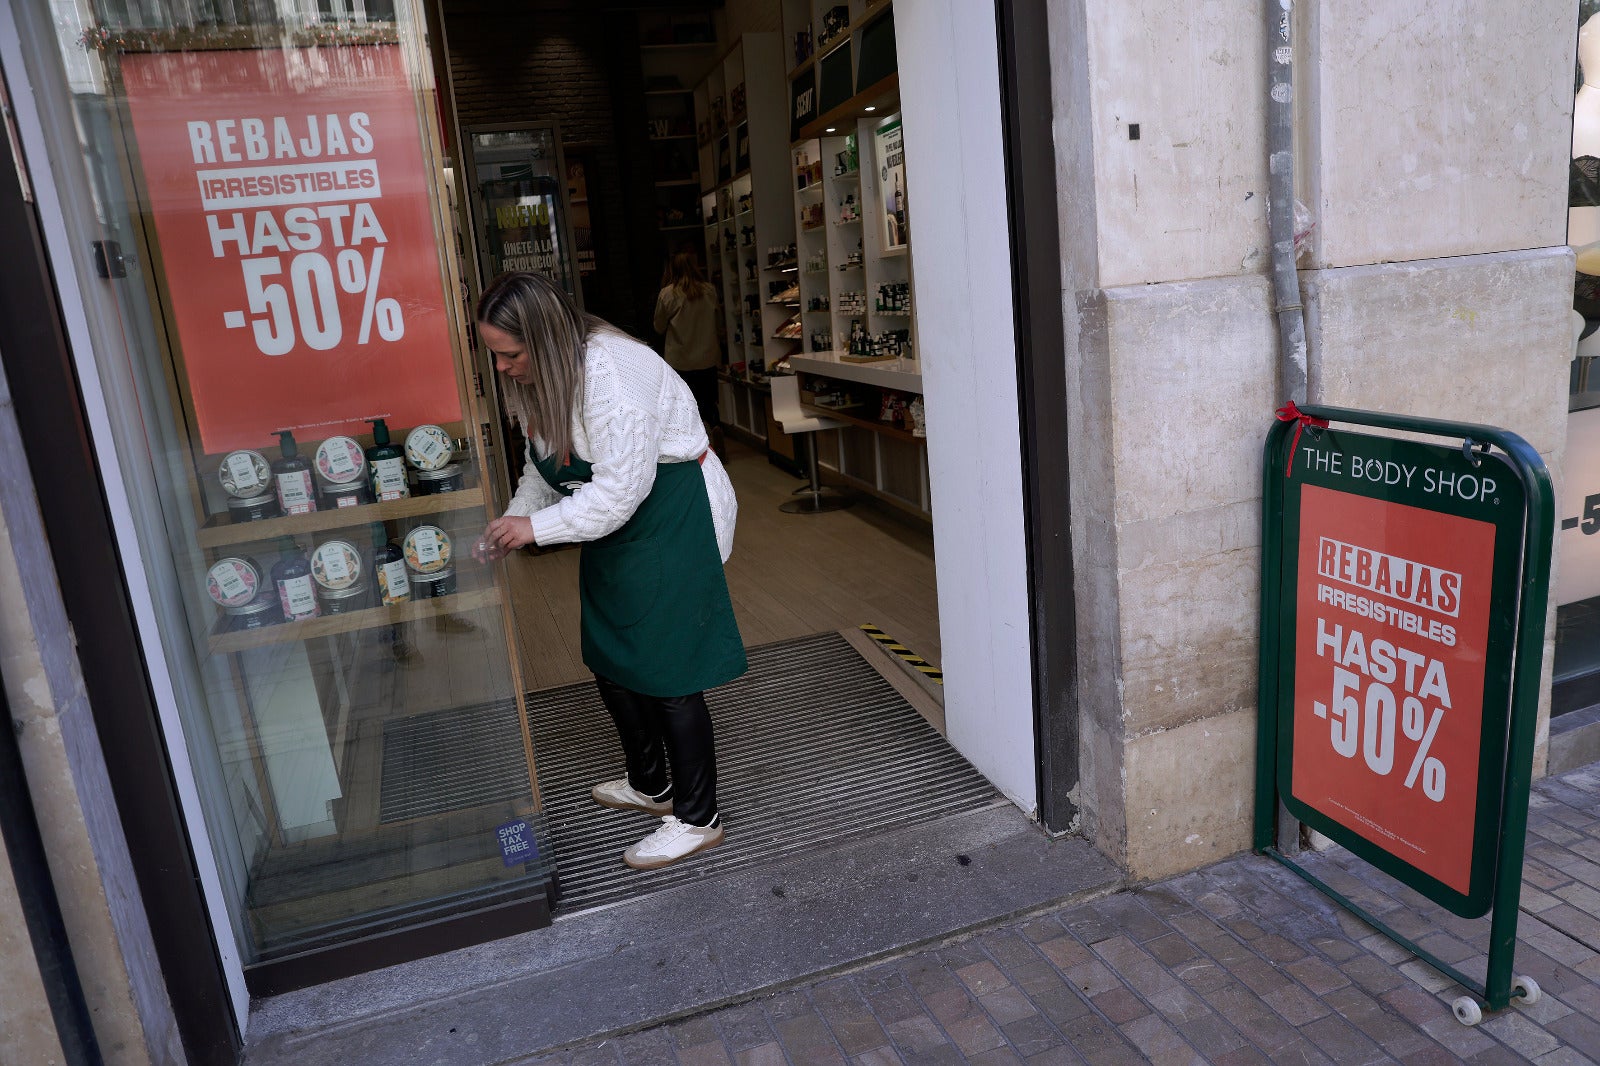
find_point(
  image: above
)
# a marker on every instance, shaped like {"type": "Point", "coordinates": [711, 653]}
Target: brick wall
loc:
{"type": "Point", "coordinates": [581, 69]}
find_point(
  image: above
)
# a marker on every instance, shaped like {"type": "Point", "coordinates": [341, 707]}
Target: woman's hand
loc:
{"type": "Point", "coordinates": [506, 534]}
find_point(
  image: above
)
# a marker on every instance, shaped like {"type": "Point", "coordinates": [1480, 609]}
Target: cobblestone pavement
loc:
{"type": "Point", "coordinates": [1242, 962]}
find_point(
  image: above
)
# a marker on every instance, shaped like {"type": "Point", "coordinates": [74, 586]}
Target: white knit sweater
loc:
{"type": "Point", "coordinates": [636, 412]}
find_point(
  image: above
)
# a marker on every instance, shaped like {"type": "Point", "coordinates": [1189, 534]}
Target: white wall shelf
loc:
{"type": "Point", "coordinates": [750, 215]}
{"type": "Point", "coordinates": [882, 375]}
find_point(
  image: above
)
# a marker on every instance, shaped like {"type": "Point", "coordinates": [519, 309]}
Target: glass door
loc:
{"type": "Point", "coordinates": [519, 201]}
{"type": "Point", "coordinates": [299, 410]}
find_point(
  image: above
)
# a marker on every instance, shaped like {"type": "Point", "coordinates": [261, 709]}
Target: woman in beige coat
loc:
{"type": "Point", "coordinates": [686, 312]}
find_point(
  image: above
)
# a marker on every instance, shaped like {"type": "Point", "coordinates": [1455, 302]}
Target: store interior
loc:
{"type": "Point", "coordinates": [787, 216]}
{"type": "Point", "coordinates": [771, 137]}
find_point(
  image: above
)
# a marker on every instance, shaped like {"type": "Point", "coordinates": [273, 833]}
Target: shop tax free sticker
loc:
{"type": "Point", "coordinates": [1389, 654]}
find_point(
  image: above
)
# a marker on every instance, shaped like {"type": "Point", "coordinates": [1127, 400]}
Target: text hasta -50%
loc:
{"type": "Point", "coordinates": [1364, 711]}
{"type": "Point", "coordinates": [311, 302]}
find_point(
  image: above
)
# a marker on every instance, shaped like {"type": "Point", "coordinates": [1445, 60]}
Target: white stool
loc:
{"type": "Point", "coordinates": [797, 423]}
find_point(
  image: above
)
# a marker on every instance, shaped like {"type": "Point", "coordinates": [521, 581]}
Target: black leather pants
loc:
{"type": "Point", "coordinates": [682, 726]}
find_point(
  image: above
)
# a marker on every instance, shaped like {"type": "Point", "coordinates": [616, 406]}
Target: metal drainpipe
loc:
{"type": "Point", "coordinates": [1286, 304]}
{"type": "Point", "coordinates": [41, 910]}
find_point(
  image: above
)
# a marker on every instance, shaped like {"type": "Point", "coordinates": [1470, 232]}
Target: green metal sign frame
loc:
{"type": "Point", "coordinates": [1308, 451]}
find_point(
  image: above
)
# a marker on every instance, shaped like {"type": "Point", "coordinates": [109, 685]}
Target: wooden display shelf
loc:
{"type": "Point", "coordinates": [333, 624]}
{"type": "Point", "coordinates": [219, 532]}
{"type": "Point", "coordinates": [883, 97]}
{"type": "Point", "coordinates": [840, 414]}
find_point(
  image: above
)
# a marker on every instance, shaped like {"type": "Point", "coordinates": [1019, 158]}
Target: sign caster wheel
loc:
{"type": "Point", "coordinates": [1526, 989]}
{"type": "Point", "coordinates": [1467, 1011]}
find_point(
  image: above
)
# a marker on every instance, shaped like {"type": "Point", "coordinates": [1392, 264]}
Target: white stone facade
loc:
{"type": "Point", "coordinates": [1431, 150]}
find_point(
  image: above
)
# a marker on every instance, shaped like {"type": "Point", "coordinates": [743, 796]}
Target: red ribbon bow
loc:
{"type": "Point", "coordinates": [1290, 413]}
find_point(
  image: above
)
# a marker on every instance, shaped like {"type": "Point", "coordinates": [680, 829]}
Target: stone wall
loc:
{"type": "Point", "coordinates": [1431, 151]}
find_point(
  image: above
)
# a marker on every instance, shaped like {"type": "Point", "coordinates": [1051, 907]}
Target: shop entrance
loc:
{"type": "Point", "coordinates": [771, 134]}
{"type": "Point", "coordinates": [373, 742]}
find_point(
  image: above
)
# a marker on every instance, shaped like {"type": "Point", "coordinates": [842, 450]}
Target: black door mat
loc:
{"type": "Point", "coordinates": [814, 747]}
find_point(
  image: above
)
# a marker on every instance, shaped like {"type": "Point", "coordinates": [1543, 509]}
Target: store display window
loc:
{"type": "Point", "coordinates": [1577, 589]}
{"type": "Point", "coordinates": [296, 418]}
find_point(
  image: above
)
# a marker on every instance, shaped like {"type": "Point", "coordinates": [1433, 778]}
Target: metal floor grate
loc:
{"type": "Point", "coordinates": [450, 761]}
{"type": "Point", "coordinates": [814, 747]}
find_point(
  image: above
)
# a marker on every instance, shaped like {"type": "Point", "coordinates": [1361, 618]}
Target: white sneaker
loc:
{"type": "Point", "coordinates": [621, 796]}
{"type": "Point", "coordinates": [673, 841]}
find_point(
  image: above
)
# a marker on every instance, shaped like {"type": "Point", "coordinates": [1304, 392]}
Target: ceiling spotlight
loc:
{"type": "Point", "coordinates": [869, 109]}
{"type": "Point", "coordinates": [831, 129]}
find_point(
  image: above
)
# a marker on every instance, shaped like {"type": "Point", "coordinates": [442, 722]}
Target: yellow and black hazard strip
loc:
{"type": "Point", "coordinates": [905, 654]}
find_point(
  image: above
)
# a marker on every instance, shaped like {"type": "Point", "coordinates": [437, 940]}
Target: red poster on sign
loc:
{"type": "Point", "coordinates": [289, 191]}
{"type": "Point", "coordinates": [1389, 674]}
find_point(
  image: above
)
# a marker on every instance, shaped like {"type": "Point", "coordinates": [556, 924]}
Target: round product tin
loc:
{"type": "Point", "coordinates": [429, 448]}
{"type": "Point", "coordinates": [438, 583]}
{"type": "Point", "coordinates": [259, 613]}
{"type": "Point", "coordinates": [352, 495]}
{"type": "Point", "coordinates": [339, 461]}
{"type": "Point", "coordinates": [233, 582]}
{"type": "Point", "coordinates": [254, 508]}
{"type": "Point", "coordinates": [336, 565]}
{"type": "Point", "coordinates": [427, 550]}
{"type": "Point", "coordinates": [245, 473]}
{"type": "Point", "coordinates": [340, 601]}
{"type": "Point", "coordinates": [452, 478]}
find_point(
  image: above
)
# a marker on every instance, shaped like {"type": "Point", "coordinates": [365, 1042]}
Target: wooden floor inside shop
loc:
{"type": "Point", "coordinates": [789, 576]}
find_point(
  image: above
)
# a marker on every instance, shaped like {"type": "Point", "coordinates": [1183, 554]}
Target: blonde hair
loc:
{"type": "Point", "coordinates": [683, 274]}
{"type": "Point", "coordinates": [555, 334]}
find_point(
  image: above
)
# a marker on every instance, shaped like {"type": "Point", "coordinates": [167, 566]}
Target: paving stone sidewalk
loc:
{"type": "Point", "coordinates": [1242, 962]}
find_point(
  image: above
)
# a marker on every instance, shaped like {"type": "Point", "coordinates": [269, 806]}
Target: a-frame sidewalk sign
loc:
{"type": "Point", "coordinates": [1403, 591]}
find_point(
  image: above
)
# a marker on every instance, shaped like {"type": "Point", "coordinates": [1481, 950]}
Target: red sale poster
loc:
{"type": "Point", "coordinates": [1389, 662]}
{"type": "Point", "coordinates": [289, 191]}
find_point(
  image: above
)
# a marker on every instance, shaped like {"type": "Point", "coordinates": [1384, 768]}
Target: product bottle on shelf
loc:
{"type": "Point", "coordinates": [389, 566]}
{"type": "Point", "coordinates": [291, 475]}
{"type": "Point", "coordinates": [291, 576]}
{"type": "Point", "coordinates": [387, 461]}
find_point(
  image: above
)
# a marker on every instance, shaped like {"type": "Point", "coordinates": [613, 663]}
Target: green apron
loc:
{"type": "Point", "coordinates": [656, 617]}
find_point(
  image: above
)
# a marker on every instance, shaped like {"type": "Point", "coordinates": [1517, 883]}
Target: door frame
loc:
{"type": "Point", "coordinates": [137, 785]}
{"type": "Point", "coordinates": [1033, 204]}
